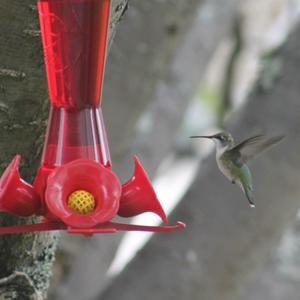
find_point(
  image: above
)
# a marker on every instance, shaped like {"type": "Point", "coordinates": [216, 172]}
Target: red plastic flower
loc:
{"type": "Point", "coordinates": [86, 175]}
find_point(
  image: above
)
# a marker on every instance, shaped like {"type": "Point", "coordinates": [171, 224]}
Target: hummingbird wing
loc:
{"type": "Point", "coordinates": [251, 147]}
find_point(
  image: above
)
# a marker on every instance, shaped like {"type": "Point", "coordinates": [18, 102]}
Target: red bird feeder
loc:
{"type": "Point", "coordinates": [75, 188]}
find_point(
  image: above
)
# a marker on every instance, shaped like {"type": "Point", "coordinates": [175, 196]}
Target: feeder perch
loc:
{"type": "Point", "coordinates": [75, 188]}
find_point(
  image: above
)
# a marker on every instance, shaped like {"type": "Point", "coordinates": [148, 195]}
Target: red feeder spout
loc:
{"type": "Point", "coordinates": [138, 195]}
{"type": "Point", "coordinates": [16, 196]}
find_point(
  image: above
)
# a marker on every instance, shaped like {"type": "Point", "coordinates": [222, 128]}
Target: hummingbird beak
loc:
{"type": "Point", "coordinates": [202, 136]}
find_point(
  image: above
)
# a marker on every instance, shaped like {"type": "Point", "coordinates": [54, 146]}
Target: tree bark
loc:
{"type": "Point", "coordinates": [26, 259]}
{"type": "Point", "coordinates": [225, 242]}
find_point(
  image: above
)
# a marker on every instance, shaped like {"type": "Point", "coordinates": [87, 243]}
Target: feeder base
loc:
{"type": "Point", "coordinates": [109, 227]}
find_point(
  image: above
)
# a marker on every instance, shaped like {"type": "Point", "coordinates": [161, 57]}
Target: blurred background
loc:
{"type": "Point", "coordinates": [178, 68]}
{"type": "Point", "coordinates": [193, 67]}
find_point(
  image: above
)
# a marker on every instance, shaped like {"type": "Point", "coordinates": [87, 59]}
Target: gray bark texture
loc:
{"type": "Point", "coordinates": [226, 243]}
{"type": "Point", "coordinates": [26, 260]}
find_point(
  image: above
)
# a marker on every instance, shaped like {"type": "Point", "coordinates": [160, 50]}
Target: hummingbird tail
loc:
{"type": "Point", "coordinates": [249, 195]}
{"type": "Point", "coordinates": [245, 182]}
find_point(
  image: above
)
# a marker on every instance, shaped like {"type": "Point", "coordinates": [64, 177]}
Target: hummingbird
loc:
{"type": "Point", "coordinates": [231, 159]}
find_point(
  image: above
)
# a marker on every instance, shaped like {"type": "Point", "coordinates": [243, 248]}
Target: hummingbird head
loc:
{"type": "Point", "coordinates": [223, 140]}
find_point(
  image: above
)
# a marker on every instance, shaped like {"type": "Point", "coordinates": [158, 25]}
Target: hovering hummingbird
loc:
{"type": "Point", "coordinates": [232, 159]}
